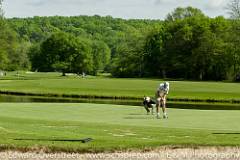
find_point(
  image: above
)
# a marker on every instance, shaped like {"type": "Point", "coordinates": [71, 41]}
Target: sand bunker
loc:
{"type": "Point", "coordinates": [163, 153]}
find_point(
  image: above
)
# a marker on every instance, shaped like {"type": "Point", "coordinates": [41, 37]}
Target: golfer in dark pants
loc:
{"type": "Point", "coordinates": [148, 103]}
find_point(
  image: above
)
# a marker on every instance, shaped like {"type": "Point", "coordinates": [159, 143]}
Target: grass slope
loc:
{"type": "Point", "coordinates": [45, 83]}
{"type": "Point", "coordinates": [58, 127]}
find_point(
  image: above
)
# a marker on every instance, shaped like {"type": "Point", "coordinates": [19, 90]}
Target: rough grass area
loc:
{"type": "Point", "coordinates": [52, 84]}
{"type": "Point", "coordinates": [61, 127]}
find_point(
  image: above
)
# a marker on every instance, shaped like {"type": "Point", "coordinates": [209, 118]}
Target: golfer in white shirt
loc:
{"type": "Point", "coordinates": [161, 97]}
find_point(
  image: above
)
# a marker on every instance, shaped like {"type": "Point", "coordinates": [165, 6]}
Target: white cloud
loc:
{"type": "Point", "coordinates": [213, 4]}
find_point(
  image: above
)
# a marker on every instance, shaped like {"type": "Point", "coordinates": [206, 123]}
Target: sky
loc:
{"type": "Point", "coordinates": [127, 9]}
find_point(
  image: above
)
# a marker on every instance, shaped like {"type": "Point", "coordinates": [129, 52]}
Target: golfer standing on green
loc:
{"type": "Point", "coordinates": [161, 98]}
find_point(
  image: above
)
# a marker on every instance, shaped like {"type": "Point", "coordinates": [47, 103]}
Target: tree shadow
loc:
{"type": "Point", "coordinates": [85, 140]}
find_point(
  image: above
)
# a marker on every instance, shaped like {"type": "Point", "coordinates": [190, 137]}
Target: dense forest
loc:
{"type": "Point", "coordinates": [186, 45]}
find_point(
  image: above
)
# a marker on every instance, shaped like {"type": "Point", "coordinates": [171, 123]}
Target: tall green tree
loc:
{"type": "Point", "coordinates": [10, 56]}
{"type": "Point", "coordinates": [101, 56]}
{"type": "Point", "coordinates": [234, 34]}
{"type": "Point", "coordinates": [3, 53]}
{"type": "Point", "coordinates": [128, 58]}
{"type": "Point", "coordinates": [82, 57]}
{"type": "Point", "coordinates": [178, 47]}
{"type": "Point", "coordinates": [182, 13]}
{"type": "Point", "coordinates": [66, 53]}
{"type": "Point", "coordinates": [234, 48]}
{"type": "Point", "coordinates": [19, 59]}
{"type": "Point", "coordinates": [35, 57]}
{"type": "Point", "coordinates": [155, 55]}
{"type": "Point", "coordinates": [210, 60]}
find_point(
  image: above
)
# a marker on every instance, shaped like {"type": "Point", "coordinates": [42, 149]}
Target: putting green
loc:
{"type": "Point", "coordinates": [112, 126]}
{"type": "Point", "coordinates": [123, 115]}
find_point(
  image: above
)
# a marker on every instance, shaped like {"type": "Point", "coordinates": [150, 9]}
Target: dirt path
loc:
{"type": "Point", "coordinates": [209, 153]}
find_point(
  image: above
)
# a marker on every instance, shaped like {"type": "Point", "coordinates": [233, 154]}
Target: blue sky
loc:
{"type": "Point", "coordinates": [148, 9]}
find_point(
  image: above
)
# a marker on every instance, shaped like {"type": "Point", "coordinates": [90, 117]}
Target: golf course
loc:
{"type": "Point", "coordinates": [119, 80]}
{"type": "Point", "coordinates": [55, 127]}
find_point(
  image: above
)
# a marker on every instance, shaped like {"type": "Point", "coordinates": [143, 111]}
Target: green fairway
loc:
{"type": "Point", "coordinates": [113, 127]}
{"type": "Point", "coordinates": [53, 83]}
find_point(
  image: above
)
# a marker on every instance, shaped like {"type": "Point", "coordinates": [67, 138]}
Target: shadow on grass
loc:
{"type": "Point", "coordinates": [85, 140]}
{"type": "Point", "coordinates": [135, 114]}
{"type": "Point", "coordinates": [225, 133]}
{"type": "Point", "coordinates": [137, 117]}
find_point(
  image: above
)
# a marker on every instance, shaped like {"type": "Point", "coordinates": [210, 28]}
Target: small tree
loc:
{"type": "Point", "coordinates": [234, 9]}
{"type": "Point", "coordinates": [1, 11]}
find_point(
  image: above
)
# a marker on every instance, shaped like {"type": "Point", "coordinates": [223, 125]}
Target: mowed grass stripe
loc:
{"type": "Point", "coordinates": [113, 127]}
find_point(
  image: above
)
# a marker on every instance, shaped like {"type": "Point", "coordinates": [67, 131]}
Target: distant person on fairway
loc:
{"type": "Point", "coordinates": [161, 98]}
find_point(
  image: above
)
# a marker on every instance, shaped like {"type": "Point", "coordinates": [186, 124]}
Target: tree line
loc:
{"type": "Point", "coordinates": [11, 47]}
{"type": "Point", "coordinates": [186, 45]}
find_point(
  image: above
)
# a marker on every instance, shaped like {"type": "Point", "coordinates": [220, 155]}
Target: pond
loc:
{"type": "Point", "coordinates": [171, 104]}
